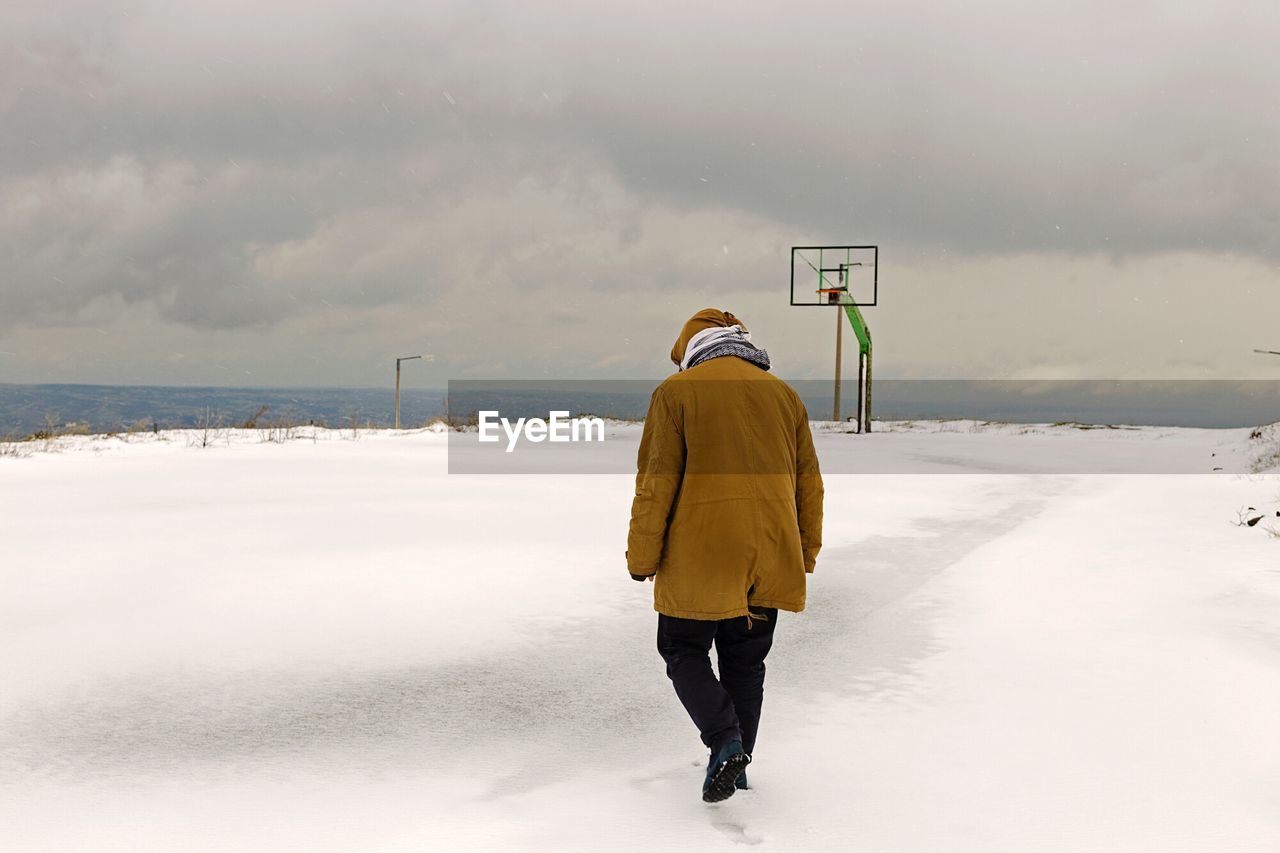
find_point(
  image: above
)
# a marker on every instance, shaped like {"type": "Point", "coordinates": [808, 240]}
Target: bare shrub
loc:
{"type": "Point", "coordinates": [252, 423]}
{"type": "Point", "coordinates": [1266, 445]}
{"type": "Point", "coordinates": [460, 423]}
{"type": "Point", "coordinates": [13, 448]}
{"type": "Point", "coordinates": [278, 433]}
{"type": "Point", "coordinates": [141, 426]}
{"type": "Point", "coordinates": [46, 433]}
{"type": "Point", "coordinates": [209, 428]}
{"type": "Point", "coordinates": [354, 425]}
{"type": "Point", "coordinates": [1247, 517]}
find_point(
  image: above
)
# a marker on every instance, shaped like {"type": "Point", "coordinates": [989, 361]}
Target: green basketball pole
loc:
{"type": "Point", "coordinates": [864, 364]}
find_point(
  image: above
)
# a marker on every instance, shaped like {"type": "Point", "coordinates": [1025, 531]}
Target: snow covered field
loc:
{"type": "Point", "coordinates": [332, 644]}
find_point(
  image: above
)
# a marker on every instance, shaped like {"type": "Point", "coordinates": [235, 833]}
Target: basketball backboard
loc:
{"type": "Point", "coordinates": [834, 275]}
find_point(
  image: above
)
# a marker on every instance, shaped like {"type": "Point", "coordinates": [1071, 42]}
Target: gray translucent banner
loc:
{"type": "Point", "coordinates": [919, 427]}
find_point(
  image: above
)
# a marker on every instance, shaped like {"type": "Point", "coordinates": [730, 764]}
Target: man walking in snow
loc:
{"type": "Point", "coordinates": [726, 522]}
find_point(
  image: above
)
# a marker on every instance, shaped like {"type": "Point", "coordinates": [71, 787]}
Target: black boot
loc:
{"type": "Point", "coordinates": [723, 772]}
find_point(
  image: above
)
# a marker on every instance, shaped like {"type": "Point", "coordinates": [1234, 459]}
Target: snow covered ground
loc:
{"type": "Point", "coordinates": [332, 644]}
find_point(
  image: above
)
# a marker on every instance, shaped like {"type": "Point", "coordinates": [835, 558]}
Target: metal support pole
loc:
{"type": "Point", "coordinates": [862, 365]}
{"type": "Point", "coordinates": [398, 360]}
{"type": "Point", "coordinates": [839, 343]}
{"type": "Point", "coordinates": [866, 395]}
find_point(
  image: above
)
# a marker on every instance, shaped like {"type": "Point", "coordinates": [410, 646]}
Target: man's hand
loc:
{"type": "Point", "coordinates": [635, 577]}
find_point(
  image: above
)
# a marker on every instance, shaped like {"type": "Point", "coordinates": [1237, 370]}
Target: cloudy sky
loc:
{"type": "Point", "coordinates": [293, 193]}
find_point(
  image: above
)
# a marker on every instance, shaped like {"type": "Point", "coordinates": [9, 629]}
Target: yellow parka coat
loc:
{"type": "Point", "coordinates": [728, 502]}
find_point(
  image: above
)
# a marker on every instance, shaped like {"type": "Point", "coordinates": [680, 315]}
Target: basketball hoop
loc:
{"type": "Point", "coordinates": [846, 278]}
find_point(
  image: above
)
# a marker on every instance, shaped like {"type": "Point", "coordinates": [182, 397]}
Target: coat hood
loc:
{"type": "Point", "coordinates": [707, 318]}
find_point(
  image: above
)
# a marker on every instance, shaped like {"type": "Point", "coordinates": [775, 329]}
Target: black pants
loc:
{"type": "Point", "coordinates": [727, 709]}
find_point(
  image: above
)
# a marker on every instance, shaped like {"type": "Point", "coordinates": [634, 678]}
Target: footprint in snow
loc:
{"type": "Point", "coordinates": [735, 832]}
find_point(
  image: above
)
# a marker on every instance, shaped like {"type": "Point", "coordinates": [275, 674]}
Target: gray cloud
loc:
{"type": "Point", "coordinates": [238, 166]}
{"type": "Point", "coordinates": [1005, 127]}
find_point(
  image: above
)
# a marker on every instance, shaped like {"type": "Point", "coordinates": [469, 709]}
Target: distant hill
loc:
{"type": "Point", "coordinates": [98, 408]}
{"type": "Point", "coordinates": [26, 408]}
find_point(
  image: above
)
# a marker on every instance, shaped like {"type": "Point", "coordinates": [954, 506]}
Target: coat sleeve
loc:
{"type": "Point", "coordinates": [660, 469]}
{"type": "Point", "coordinates": [808, 492]}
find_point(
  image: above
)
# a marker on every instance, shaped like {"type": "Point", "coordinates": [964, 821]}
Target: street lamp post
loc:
{"type": "Point", "coordinates": [398, 360]}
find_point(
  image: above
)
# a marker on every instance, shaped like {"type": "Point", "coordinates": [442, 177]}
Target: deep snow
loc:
{"type": "Point", "coordinates": [335, 645]}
